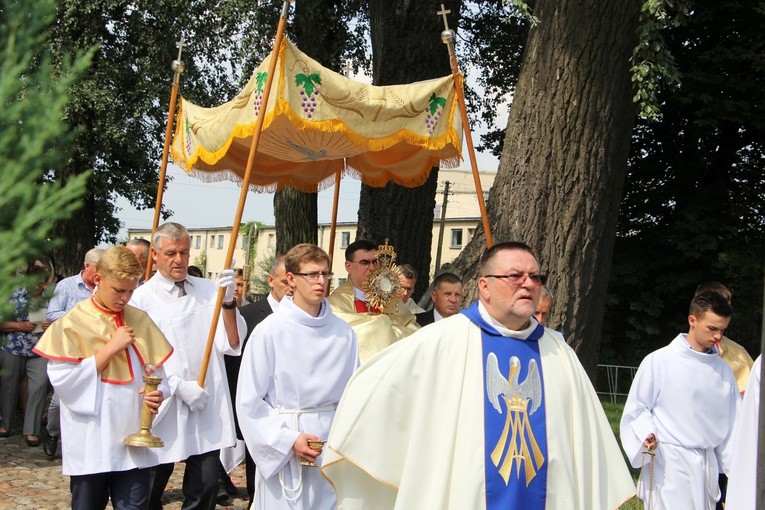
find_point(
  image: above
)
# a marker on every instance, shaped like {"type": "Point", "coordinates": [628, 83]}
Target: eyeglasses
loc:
{"type": "Point", "coordinates": [314, 277]}
{"type": "Point", "coordinates": [518, 278]}
{"type": "Point", "coordinates": [366, 262]}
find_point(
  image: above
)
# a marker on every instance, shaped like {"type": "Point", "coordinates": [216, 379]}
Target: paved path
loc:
{"type": "Point", "coordinates": [29, 480]}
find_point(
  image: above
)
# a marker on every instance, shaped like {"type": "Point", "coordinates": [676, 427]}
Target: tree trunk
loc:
{"type": "Point", "coordinates": [564, 161]}
{"type": "Point", "coordinates": [78, 232]}
{"type": "Point", "coordinates": [319, 31]}
{"type": "Point", "coordinates": [406, 47]}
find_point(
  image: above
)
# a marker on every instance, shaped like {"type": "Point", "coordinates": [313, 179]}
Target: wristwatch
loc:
{"type": "Point", "coordinates": [229, 306]}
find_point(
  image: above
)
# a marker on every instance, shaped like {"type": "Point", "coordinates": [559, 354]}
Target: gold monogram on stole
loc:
{"type": "Point", "coordinates": [522, 447]}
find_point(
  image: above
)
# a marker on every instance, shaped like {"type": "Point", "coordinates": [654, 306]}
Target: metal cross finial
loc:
{"type": "Point", "coordinates": [180, 44]}
{"type": "Point", "coordinates": [443, 12]}
{"type": "Point", "coordinates": [348, 68]}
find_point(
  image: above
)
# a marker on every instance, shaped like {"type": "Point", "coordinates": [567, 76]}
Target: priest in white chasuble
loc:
{"type": "Point", "coordinates": [297, 363]}
{"type": "Point", "coordinates": [742, 479]}
{"type": "Point", "coordinates": [485, 409]}
{"type": "Point", "coordinates": [677, 424]}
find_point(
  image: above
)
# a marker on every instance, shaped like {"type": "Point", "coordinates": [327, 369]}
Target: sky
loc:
{"type": "Point", "coordinates": [198, 204]}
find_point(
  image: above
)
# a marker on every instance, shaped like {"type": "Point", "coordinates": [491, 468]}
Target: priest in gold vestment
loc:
{"type": "Point", "coordinates": [375, 330]}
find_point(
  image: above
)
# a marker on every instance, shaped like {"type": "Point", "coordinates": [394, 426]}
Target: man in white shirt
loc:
{"type": "Point", "coordinates": [679, 416]}
{"type": "Point", "coordinates": [195, 422]}
{"type": "Point", "coordinates": [446, 296]}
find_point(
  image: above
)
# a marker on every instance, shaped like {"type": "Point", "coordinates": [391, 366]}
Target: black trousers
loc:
{"type": "Point", "coordinates": [200, 482]}
{"type": "Point", "coordinates": [129, 490]}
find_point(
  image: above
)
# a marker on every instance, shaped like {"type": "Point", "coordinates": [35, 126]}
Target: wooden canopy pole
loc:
{"type": "Point", "coordinates": [333, 226]}
{"type": "Point", "coordinates": [448, 37]}
{"type": "Point", "coordinates": [245, 186]}
{"type": "Point", "coordinates": [177, 67]}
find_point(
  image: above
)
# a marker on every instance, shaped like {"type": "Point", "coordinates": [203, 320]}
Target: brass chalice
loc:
{"type": "Point", "coordinates": [315, 446]}
{"type": "Point", "coordinates": [144, 438]}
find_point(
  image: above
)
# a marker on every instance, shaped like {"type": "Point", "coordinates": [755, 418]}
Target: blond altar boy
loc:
{"type": "Point", "coordinates": [97, 354]}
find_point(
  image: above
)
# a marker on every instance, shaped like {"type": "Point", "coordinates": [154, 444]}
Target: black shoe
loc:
{"type": "Point", "coordinates": [222, 497]}
{"type": "Point", "coordinates": [50, 446]}
{"type": "Point", "coordinates": [228, 485]}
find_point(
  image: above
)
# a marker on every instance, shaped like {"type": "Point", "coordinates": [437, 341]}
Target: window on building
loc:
{"type": "Point", "coordinates": [244, 242]}
{"type": "Point", "coordinates": [345, 239]}
{"type": "Point", "coordinates": [271, 240]}
{"type": "Point", "coordinates": [220, 242]}
{"type": "Point", "coordinates": [198, 242]}
{"type": "Point", "coordinates": [456, 241]}
{"type": "Point", "coordinates": [341, 281]}
{"type": "Point", "coordinates": [471, 233]}
{"type": "Point", "coordinates": [212, 241]}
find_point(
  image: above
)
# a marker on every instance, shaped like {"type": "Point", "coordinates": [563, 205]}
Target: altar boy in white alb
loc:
{"type": "Point", "coordinates": [297, 363]}
{"type": "Point", "coordinates": [681, 408]}
{"type": "Point", "coordinates": [195, 423]}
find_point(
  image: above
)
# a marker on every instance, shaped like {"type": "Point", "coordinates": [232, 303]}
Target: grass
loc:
{"type": "Point", "coordinates": [614, 414]}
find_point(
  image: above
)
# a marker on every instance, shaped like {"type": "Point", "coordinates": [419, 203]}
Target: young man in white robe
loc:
{"type": "Point", "coordinates": [297, 364]}
{"type": "Point", "coordinates": [195, 422]}
{"type": "Point", "coordinates": [679, 416]}
{"type": "Point", "coordinates": [742, 479]}
{"type": "Point", "coordinates": [441, 421]}
{"type": "Point", "coordinates": [97, 354]}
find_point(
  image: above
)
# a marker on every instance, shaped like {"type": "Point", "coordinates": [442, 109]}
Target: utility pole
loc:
{"type": "Point", "coordinates": [441, 226]}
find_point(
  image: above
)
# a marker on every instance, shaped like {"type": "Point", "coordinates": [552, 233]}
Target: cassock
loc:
{"type": "Point", "coordinates": [688, 400]}
{"type": "Point", "coordinates": [292, 375]}
{"type": "Point", "coordinates": [186, 321]}
{"type": "Point", "coordinates": [99, 411]}
{"type": "Point", "coordinates": [742, 482]}
{"type": "Point", "coordinates": [375, 331]}
{"type": "Point", "coordinates": [410, 429]}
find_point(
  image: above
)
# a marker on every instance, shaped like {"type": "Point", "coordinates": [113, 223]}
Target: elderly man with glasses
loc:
{"type": "Point", "coordinates": [375, 330]}
{"type": "Point", "coordinates": [484, 409]}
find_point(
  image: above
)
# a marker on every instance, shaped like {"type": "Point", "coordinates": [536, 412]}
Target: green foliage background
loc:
{"type": "Point", "coordinates": [34, 138]}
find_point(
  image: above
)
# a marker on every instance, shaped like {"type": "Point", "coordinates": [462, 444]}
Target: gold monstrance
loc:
{"type": "Point", "coordinates": [383, 285]}
{"type": "Point", "coordinates": [144, 438]}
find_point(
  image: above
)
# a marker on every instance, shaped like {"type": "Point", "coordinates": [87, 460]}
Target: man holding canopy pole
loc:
{"type": "Point", "coordinates": [195, 422]}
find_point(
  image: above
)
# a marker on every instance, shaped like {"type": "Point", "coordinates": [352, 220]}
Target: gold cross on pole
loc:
{"type": "Point", "coordinates": [443, 12]}
{"type": "Point", "coordinates": [180, 44]}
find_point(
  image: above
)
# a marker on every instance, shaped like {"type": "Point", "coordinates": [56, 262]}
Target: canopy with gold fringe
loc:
{"type": "Point", "coordinates": [317, 122]}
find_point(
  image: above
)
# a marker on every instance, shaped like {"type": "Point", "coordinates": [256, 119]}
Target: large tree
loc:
{"type": "Point", "coordinates": [564, 158]}
{"type": "Point", "coordinates": [694, 202]}
{"type": "Point", "coordinates": [406, 47]}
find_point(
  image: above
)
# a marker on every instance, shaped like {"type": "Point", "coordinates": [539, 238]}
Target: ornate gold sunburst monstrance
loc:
{"type": "Point", "coordinates": [383, 285]}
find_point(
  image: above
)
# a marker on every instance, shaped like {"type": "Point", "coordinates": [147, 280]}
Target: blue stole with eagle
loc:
{"type": "Point", "coordinates": [515, 431]}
